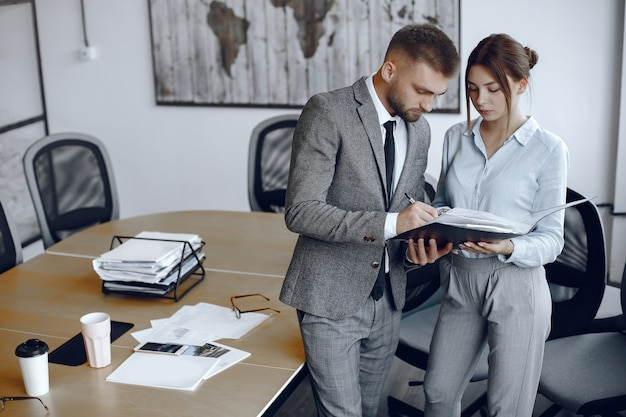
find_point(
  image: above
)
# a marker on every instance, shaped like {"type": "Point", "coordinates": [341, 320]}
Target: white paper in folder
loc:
{"type": "Point", "coordinates": [164, 371]}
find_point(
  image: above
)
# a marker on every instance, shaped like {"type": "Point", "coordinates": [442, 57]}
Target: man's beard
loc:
{"type": "Point", "coordinates": [408, 115]}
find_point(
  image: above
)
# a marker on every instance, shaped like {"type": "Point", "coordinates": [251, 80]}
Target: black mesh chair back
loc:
{"type": "Point", "coordinates": [268, 163]}
{"type": "Point", "coordinates": [578, 276]}
{"type": "Point", "coordinates": [71, 182]}
{"type": "Point", "coordinates": [10, 244]}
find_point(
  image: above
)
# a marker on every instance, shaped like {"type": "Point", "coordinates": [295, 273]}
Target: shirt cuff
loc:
{"type": "Point", "coordinates": [390, 225]}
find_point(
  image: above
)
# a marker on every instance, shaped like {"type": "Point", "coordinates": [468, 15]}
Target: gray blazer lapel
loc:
{"type": "Point", "coordinates": [411, 150]}
{"type": "Point", "coordinates": [417, 134]}
{"type": "Point", "coordinates": [369, 118]}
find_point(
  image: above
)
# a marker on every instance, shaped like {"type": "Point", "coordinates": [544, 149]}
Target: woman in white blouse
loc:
{"type": "Point", "coordinates": [496, 293]}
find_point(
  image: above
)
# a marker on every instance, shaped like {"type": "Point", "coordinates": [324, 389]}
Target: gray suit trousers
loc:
{"type": "Point", "coordinates": [487, 301]}
{"type": "Point", "coordinates": [350, 386]}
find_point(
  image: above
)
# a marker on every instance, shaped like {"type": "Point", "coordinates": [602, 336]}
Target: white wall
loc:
{"type": "Point", "coordinates": [178, 158]}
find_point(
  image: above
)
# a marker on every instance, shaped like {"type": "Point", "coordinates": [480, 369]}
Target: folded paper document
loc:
{"type": "Point", "coordinates": [228, 356]}
{"type": "Point", "coordinates": [182, 372]}
{"type": "Point", "coordinates": [200, 323]}
{"type": "Point", "coordinates": [196, 327]}
{"type": "Point", "coordinates": [464, 225]}
{"type": "Point", "coordinates": [164, 371]}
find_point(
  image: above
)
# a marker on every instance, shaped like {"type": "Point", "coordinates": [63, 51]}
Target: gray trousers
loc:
{"type": "Point", "coordinates": [487, 302]}
{"type": "Point", "coordinates": [349, 359]}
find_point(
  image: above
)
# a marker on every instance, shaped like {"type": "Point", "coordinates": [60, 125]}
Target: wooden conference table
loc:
{"type": "Point", "coordinates": [45, 297]}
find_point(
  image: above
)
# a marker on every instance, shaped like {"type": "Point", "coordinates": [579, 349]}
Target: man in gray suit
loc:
{"type": "Point", "coordinates": [346, 279]}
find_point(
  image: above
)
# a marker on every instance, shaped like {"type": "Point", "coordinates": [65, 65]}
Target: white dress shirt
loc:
{"type": "Point", "coordinates": [400, 139]}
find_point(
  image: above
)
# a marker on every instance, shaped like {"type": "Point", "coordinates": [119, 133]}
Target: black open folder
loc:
{"type": "Point", "coordinates": [460, 225]}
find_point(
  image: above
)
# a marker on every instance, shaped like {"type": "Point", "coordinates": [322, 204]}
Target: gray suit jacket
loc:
{"type": "Point", "coordinates": [336, 203]}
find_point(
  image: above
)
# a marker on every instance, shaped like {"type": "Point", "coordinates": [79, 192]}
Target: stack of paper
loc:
{"type": "Point", "coordinates": [183, 372]}
{"type": "Point", "coordinates": [196, 326]}
{"type": "Point", "coordinates": [153, 258]}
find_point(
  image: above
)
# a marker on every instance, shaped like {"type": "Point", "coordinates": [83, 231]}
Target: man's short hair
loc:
{"type": "Point", "coordinates": [429, 44]}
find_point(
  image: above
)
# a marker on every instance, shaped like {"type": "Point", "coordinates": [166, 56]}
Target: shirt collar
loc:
{"type": "Point", "coordinates": [381, 111]}
{"type": "Point", "coordinates": [522, 135]}
{"type": "Point", "coordinates": [526, 131]}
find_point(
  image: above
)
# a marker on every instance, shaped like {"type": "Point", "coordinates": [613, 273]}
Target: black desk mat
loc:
{"type": "Point", "coordinates": [73, 352]}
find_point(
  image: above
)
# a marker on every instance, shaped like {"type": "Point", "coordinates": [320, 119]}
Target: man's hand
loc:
{"type": "Point", "coordinates": [414, 216]}
{"type": "Point", "coordinates": [418, 251]}
{"type": "Point", "coordinates": [420, 254]}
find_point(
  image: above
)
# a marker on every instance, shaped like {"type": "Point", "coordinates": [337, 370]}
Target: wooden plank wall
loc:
{"type": "Point", "coordinates": [279, 52]}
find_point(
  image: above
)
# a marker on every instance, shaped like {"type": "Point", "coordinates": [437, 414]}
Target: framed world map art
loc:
{"type": "Point", "coordinates": [278, 53]}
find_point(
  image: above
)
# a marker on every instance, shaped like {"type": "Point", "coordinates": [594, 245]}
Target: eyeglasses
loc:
{"type": "Point", "coordinates": [239, 312]}
{"type": "Point", "coordinates": [5, 399]}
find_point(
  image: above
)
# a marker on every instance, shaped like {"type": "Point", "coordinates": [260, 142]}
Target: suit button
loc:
{"type": "Point", "coordinates": [375, 264]}
{"type": "Point", "coordinates": [369, 238]}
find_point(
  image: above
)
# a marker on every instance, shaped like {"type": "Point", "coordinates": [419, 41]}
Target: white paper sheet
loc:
{"type": "Point", "coordinates": [164, 371]}
{"type": "Point", "coordinates": [228, 356]}
{"type": "Point", "coordinates": [201, 323]}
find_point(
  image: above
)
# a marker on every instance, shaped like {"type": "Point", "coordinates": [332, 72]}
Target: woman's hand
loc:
{"type": "Point", "coordinates": [503, 247]}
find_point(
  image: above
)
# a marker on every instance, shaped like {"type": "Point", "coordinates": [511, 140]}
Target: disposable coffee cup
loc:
{"type": "Point", "coordinates": [96, 331]}
{"type": "Point", "coordinates": [33, 358]}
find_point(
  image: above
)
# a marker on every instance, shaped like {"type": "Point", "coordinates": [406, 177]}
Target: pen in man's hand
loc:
{"type": "Point", "coordinates": [411, 200]}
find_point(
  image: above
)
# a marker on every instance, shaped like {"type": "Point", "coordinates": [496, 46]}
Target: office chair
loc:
{"type": "Point", "coordinates": [586, 374]}
{"type": "Point", "coordinates": [70, 179]}
{"type": "Point", "coordinates": [10, 244]}
{"type": "Point", "coordinates": [578, 276]}
{"type": "Point", "coordinates": [610, 312]}
{"type": "Point", "coordinates": [268, 163]}
{"type": "Point", "coordinates": [577, 279]}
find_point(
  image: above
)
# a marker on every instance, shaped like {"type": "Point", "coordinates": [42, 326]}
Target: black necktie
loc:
{"type": "Point", "coordinates": [390, 156]}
